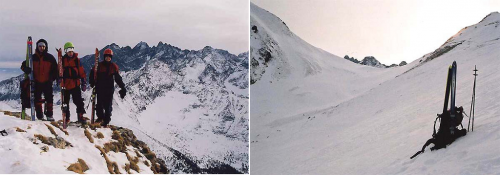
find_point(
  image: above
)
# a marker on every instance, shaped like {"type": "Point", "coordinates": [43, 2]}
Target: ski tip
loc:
{"type": "Point", "coordinates": [416, 154]}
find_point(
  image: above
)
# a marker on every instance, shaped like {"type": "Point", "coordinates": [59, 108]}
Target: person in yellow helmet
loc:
{"type": "Point", "coordinates": [74, 81]}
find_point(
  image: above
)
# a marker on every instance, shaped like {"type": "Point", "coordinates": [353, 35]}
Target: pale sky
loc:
{"type": "Point", "coordinates": [390, 30]}
{"type": "Point", "coordinates": [193, 24]}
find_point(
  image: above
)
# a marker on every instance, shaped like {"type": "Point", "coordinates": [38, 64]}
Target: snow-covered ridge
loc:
{"type": "Point", "coordinates": [43, 147]}
{"type": "Point", "coordinates": [483, 32]}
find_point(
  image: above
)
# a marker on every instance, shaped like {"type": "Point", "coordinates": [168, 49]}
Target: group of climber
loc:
{"type": "Point", "coordinates": [45, 72]}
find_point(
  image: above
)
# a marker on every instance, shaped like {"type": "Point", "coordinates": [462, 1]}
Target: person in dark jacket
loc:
{"type": "Point", "coordinates": [73, 78]}
{"type": "Point", "coordinates": [107, 75]}
{"type": "Point", "coordinates": [44, 72]}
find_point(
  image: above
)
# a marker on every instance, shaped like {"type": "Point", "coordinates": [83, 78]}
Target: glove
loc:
{"type": "Point", "coordinates": [122, 93]}
{"type": "Point", "coordinates": [27, 70]}
{"type": "Point", "coordinates": [83, 85]}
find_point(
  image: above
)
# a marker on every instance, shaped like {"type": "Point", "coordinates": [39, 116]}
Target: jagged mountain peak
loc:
{"type": "Point", "coordinates": [113, 46]}
{"type": "Point", "coordinates": [141, 45]}
{"type": "Point", "coordinates": [207, 48]}
{"type": "Point", "coordinates": [372, 61]}
{"type": "Point", "coordinates": [244, 54]}
{"type": "Point", "coordinates": [159, 44]}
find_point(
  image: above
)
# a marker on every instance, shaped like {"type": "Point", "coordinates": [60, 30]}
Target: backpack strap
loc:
{"type": "Point", "coordinates": [434, 132]}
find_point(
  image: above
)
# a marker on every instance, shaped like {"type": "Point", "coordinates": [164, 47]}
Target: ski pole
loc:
{"type": "Point", "coordinates": [473, 101]}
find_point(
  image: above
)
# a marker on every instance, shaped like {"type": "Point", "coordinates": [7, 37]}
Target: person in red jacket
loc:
{"type": "Point", "coordinates": [107, 75]}
{"type": "Point", "coordinates": [74, 81]}
{"type": "Point", "coordinates": [44, 72]}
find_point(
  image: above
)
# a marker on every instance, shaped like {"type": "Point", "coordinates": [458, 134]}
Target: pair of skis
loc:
{"type": "Point", "coordinates": [451, 88]}
{"type": "Point", "coordinates": [30, 79]}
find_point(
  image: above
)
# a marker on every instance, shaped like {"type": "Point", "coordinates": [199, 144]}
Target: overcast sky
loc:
{"type": "Point", "coordinates": [390, 30]}
{"type": "Point", "coordinates": [193, 24]}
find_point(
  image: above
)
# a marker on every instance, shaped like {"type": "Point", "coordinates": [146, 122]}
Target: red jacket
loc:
{"type": "Point", "coordinates": [107, 74]}
{"type": "Point", "coordinates": [44, 65]}
{"type": "Point", "coordinates": [72, 71]}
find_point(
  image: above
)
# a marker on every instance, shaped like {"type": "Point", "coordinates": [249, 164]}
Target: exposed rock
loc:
{"type": "Point", "coordinates": [402, 63]}
{"type": "Point", "coordinates": [20, 130]}
{"type": "Point", "coordinates": [79, 167]}
{"type": "Point", "coordinates": [59, 142]}
{"type": "Point", "coordinates": [371, 61]}
{"type": "Point", "coordinates": [89, 136]}
{"type": "Point", "coordinates": [354, 60]}
{"type": "Point", "coordinates": [44, 148]}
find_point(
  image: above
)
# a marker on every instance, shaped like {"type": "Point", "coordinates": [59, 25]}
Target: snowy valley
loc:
{"type": "Point", "coordinates": [316, 113]}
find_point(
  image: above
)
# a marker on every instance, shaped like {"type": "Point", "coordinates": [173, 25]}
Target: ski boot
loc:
{"type": "Point", "coordinates": [99, 120]}
{"type": "Point", "coordinates": [50, 118]}
{"type": "Point", "coordinates": [81, 120]}
{"type": "Point", "coordinates": [67, 120]}
{"type": "Point", "coordinates": [104, 124]}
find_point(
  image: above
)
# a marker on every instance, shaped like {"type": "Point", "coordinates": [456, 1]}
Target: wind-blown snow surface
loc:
{"type": "Point", "coordinates": [364, 122]}
{"type": "Point", "coordinates": [21, 156]}
{"type": "Point", "coordinates": [189, 106]}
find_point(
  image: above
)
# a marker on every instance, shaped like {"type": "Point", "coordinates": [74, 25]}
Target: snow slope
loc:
{"type": "Point", "coordinates": [290, 76]}
{"type": "Point", "coordinates": [22, 153]}
{"type": "Point", "coordinates": [375, 129]}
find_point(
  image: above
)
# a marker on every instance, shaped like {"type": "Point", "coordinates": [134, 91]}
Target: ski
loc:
{"type": "Point", "coordinates": [447, 93]}
{"type": "Point", "coordinates": [93, 97]}
{"type": "Point", "coordinates": [453, 89]}
{"type": "Point", "coordinates": [28, 77]}
{"type": "Point", "coordinates": [416, 154]}
{"type": "Point", "coordinates": [64, 106]}
{"type": "Point", "coordinates": [32, 79]}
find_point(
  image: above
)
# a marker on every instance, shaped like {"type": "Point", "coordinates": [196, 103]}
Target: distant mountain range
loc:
{"type": "Point", "coordinates": [213, 85]}
{"type": "Point", "coordinates": [372, 61]}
